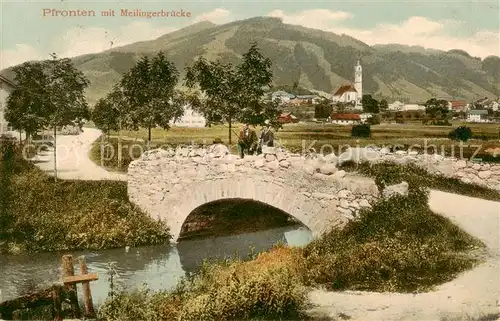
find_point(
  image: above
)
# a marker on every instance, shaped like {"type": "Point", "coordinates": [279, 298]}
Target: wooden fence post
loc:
{"type": "Point", "coordinates": [68, 270]}
{"type": "Point", "coordinates": [87, 296]}
{"type": "Point", "coordinates": [57, 305]}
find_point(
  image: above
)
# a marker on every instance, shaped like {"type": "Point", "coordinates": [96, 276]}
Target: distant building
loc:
{"type": "Point", "coordinates": [458, 105]}
{"type": "Point", "coordinates": [286, 118]}
{"type": "Point", "coordinates": [345, 119]}
{"type": "Point", "coordinates": [190, 119]}
{"type": "Point", "coordinates": [6, 87]}
{"type": "Point", "coordinates": [407, 107]}
{"type": "Point", "coordinates": [397, 105]}
{"type": "Point", "coordinates": [477, 116]}
{"type": "Point", "coordinates": [351, 93]}
{"type": "Point", "coordinates": [282, 96]}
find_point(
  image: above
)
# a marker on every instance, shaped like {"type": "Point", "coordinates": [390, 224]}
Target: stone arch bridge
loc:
{"type": "Point", "coordinates": [170, 184]}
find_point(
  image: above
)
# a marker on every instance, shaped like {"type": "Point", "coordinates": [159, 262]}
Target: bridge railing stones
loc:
{"type": "Point", "coordinates": [468, 171]}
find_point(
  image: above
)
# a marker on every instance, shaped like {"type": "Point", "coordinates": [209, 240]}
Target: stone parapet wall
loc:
{"type": "Point", "coordinates": [479, 173]}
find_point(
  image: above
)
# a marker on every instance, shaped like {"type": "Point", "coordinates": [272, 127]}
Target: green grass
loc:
{"type": "Point", "coordinates": [42, 215]}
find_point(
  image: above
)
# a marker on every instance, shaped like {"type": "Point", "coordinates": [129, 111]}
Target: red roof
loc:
{"type": "Point", "coordinates": [343, 89]}
{"type": "Point", "coordinates": [346, 117]}
{"type": "Point", "coordinates": [458, 104]}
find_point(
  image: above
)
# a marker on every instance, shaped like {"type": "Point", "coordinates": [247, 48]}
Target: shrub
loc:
{"type": "Point", "coordinates": [462, 133]}
{"type": "Point", "coordinates": [362, 130]}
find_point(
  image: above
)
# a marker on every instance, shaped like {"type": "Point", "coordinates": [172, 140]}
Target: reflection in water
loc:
{"type": "Point", "coordinates": [158, 267]}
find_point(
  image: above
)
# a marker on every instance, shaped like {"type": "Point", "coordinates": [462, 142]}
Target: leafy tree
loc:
{"type": "Point", "coordinates": [149, 91]}
{"type": "Point", "coordinates": [65, 97]}
{"type": "Point", "coordinates": [323, 109]}
{"type": "Point", "coordinates": [462, 133]}
{"type": "Point", "coordinates": [26, 108]}
{"type": "Point", "coordinates": [383, 105]}
{"type": "Point", "coordinates": [436, 108]}
{"type": "Point", "coordinates": [370, 104]}
{"type": "Point", "coordinates": [362, 130]}
{"type": "Point", "coordinates": [254, 77]}
{"type": "Point", "coordinates": [235, 93]}
{"type": "Point", "coordinates": [105, 115]}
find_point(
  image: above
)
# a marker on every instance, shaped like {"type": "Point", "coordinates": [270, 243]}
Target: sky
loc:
{"type": "Point", "coordinates": [32, 29]}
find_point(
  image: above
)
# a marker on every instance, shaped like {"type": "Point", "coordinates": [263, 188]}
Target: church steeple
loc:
{"type": "Point", "coordinates": [358, 80]}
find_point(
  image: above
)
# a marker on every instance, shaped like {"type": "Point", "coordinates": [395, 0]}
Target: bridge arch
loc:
{"type": "Point", "coordinates": [309, 211]}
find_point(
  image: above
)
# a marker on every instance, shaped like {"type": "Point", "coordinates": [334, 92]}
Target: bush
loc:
{"type": "Point", "coordinates": [462, 133]}
{"type": "Point", "coordinates": [363, 130]}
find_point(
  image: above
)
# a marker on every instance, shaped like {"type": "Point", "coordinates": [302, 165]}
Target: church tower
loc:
{"type": "Point", "coordinates": [358, 81]}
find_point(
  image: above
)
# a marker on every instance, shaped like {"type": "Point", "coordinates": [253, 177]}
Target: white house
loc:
{"type": "Point", "coordinates": [397, 105]}
{"type": "Point", "coordinates": [412, 107]}
{"type": "Point", "coordinates": [351, 93]}
{"type": "Point", "coordinates": [6, 87]}
{"type": "Point", "coordinates": [190, 119]}
{"type": "Point", "coordinates": [477, 116]}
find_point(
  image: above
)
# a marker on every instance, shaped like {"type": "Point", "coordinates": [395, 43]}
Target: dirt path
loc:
{"type": "Point", "coordinates": [473, 294]}
{"type": "Point", "coordinates": [73, 160]}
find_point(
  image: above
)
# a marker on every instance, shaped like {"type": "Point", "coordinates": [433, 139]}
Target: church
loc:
{"type": "Point", "coordinates": [351, 93]}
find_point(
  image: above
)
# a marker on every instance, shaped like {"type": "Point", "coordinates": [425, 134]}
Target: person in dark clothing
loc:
{"type": "Point", "coordinates": [266, 137]}
{"type": "Point", "coordinates": [247, 141]}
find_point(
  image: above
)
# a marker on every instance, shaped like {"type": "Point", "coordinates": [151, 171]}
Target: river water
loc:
{"type": "Point", "coordinates": [157, 267]}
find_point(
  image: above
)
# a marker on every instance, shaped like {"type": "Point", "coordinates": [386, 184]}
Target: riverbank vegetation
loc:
{"type": "Point", "coordinates": [39, 215]}
{"type": "Point", "coordinates": [399, 245]}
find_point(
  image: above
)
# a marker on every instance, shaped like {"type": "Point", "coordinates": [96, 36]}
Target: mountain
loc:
{"type": "Point", "coordinates": [317, 59]}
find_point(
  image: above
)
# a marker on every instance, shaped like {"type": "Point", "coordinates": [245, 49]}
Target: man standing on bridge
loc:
{"type": "Point", "coordinates": [266, 137]}
{"type": "Point", "coordinates": [247, 141]}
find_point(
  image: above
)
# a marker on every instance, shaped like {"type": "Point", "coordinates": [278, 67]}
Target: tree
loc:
{"type": "Point", "coordinates": [26, 108]}
{"type": "Point", "coordinates": [462, 133]}
{"type": "Point", "coordinates": [383, 105]}
{"type": "Point", "coordinates": [65, 99]}
{"type": "Point", "coordinates": [323, 109]}
{"type": "Point", "coordinates": [235, 93]}
{"type": "Point", "coordinates": [362, 130]}
{"type": "Point", "coordinates": [106, 115]}
{"type": "Point", "coordinates": [370, 105]}
{"type": "Point", "coordinates": [149, 91]}
{"type": "Point", "coordinates": [436, 108]}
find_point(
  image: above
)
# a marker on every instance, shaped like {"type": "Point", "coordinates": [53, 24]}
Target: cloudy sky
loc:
{"type": "Point", "coordinates": [26, 34]}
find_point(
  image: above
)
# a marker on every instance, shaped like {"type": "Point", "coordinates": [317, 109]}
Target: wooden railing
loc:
{"type": "Point", "coordinates": [57, 294]}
